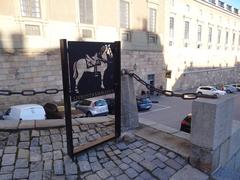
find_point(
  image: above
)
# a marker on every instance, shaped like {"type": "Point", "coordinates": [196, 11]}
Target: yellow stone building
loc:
{"type": "Point", "coordinates": [201, 42]}
{"type": "Point", "coordinates": [178, 44]}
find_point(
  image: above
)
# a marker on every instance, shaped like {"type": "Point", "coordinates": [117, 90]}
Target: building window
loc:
{"type": "Point", "coordinates": [126, 36]}
{"type": "Point", "coordinates": [212, 1]}
{"type": "Point", "coordinates": [226, 38]}
{"type": "Point", "coordinates": [221, 4]}
{"type": "Point", "coordinates": [209, 34]}
{"type": "Point", "coordinates": [152, 38]}
{"type": "Point", "coordinates": [235, 11]}
{"type": "Point", "coordinates": [229, 8]}
{"type": "Point", "coordinates": [86, 11]}
{"type": "Point", "coordinates": [239, 40]}
{"type": "Point", "coordinates": [219, 36]}
{"type": "Point", "coordinates": [32, 30]}
{"type": "Point", "coordinates": [187, 8]}
{"type": "Point", "coordinates": [186, 30]}
{"type": "Point", "coordinates": [30, 8]}
{"type": "Point", "coordinates": [199, 34]}
{"type": "Point", "coordinates": [87, 33]}
{"type": "Point", "coordinates": [171, 27]}
{"type": "Point", "coordinates": [152, 19]}
{"type": "Point", "coordinates": [124, 14]}
{"type": "Point", "coordinates": [233, 39]}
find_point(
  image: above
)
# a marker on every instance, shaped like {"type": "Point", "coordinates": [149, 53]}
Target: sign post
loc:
{"type": "Point", "coordinates": [66, 94]}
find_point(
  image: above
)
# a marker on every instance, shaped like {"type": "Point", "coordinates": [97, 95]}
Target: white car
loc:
{"type": "Point", "coordinates": [25, 112]}
{"type": "Point", "coordinates": [209, 90]}
{"type": "Point", "coordinates": [92, 107]}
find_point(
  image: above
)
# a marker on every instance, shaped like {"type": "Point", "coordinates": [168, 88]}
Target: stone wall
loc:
{"type": "Point", "coordinates": [213, 76]}
{"type": "Point", "coordinates": [30, 70]}
{"type": "Point", "coordinates": [144, 63]}
{"type": "Point", "coordinates": [39, 70]}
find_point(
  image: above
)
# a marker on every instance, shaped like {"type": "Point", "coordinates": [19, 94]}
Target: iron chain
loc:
{"type": "Point", "coordinates": [186, 96]}
{"type": "Point", "coordinates": [29, 92]}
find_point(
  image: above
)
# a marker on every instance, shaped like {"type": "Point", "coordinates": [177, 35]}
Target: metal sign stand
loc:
{"type": "Point", "coordinates": [67, 98]}
{"type": "Point", "coordinates": [66, 94]}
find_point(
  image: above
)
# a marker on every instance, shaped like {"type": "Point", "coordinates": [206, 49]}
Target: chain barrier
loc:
{"type": "Point", "coordinates": [186, 96]}
{"type": "Point", "coordinates": [29, 92]}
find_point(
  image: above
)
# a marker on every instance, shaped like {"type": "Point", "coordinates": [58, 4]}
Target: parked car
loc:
{"type": "Point", "coordinates": [229, 89]}
{"type": "Point", "coordinates": [111, 105]}
{"type": "Point", "coordinates": [144, 103]}
{"type": "Point", "coordinates": [209, 90]}
{"type": "Point", "coordinates": [25, 112]}
{"type": "Point", "coordinates": [236, 86]}
{"type": "Point", "coordinates": [92, 107]}
{"type": "Point", "coordinates": [186, 124]}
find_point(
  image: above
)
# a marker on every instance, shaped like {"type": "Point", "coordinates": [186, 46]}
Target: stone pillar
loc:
{"type": "Point", "coordinates": [129, 113]}
{"type": "Point", "coordinates": [211, 128]}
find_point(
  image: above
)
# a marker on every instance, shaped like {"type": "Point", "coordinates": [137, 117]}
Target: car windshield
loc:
{"type": "Point", "coordinates": [100, 103]}
{"type": "Point", "coordinates": [214, 89]}
{"type": "Point", "coordinates": [145, 100]}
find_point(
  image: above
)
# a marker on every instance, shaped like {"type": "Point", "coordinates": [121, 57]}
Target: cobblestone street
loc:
{"type": "Point", "coordinates": [42, 154]}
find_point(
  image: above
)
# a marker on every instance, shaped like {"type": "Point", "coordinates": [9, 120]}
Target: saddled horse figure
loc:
{"type": "Point", "coordinates": [92, 68]}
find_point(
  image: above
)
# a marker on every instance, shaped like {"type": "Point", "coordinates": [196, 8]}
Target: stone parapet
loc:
{"type": "Point", "coordinates": [214, 136]}
{"type": "Point", "coordinates": [209, 76]}
{"type": "Point", "coordinates": [211, 121]}
{"type": "Point", "coordinates": [6, 125]}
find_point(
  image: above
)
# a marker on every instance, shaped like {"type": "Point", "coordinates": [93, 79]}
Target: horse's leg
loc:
{"type": "Point", "coordinates": [102, 68]}
{"type": "Point", "coordinates": [79, 71]}
{"type": "Point", "coordinates": [75, 74]}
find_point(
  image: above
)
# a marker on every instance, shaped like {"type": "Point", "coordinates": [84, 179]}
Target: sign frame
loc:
{"type": "Point", "coordinates": [67, 97]}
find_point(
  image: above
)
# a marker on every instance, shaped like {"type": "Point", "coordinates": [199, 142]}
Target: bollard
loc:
{"type": "Point", "coordinates": [129, 113]}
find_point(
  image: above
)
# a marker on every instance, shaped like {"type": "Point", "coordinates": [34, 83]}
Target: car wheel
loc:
{"type": "Point", "coordinates": [217, 94]}
{"type": "Point", "coordinates": [228, 91]}
{"type": "Point", "coordinates": [89, 114]}
{"type": "Point", "coordinates": [199, 93]}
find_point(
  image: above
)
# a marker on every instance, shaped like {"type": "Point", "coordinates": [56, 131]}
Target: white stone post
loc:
{"type": "Point", "coordinates": [211, 128]}
{"type": "Point", "coordinates": [129, 113]}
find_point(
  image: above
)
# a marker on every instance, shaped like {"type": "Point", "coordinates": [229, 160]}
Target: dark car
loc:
{"type": "Point", "coordinates": [111, 105]}
{"type": "Point", "coordinates": [186, 124]}
{"type": "Point", "coordinates": [144, 103]}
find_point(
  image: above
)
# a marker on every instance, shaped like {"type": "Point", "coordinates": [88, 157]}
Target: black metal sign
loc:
{"type": "Point", "coordinates": [91, 66]}
{"type": "Point", "coordinates": [89, 69]}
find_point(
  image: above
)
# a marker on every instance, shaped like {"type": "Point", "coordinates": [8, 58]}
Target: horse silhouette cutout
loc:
{"type": "Point", "coordinates": [92, 73]}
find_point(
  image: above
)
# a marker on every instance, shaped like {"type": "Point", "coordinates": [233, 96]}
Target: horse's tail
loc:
{"type": "Point", "coordinates": [75, 70]}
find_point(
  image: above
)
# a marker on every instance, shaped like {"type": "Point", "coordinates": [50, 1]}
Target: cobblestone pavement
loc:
{"type": "Point", "coordinates": [42, 154]}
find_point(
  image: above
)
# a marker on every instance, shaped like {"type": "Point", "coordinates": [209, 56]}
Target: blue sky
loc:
{"type": "Point", "coordinates": [234, 3]}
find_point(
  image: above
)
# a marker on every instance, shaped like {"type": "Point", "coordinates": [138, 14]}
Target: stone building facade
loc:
{"type": "Point", "coordinates": [30, 55]}
{"type": "Point", "coordinates": [152, 35]}
{"type": "Point", "coordinates": [202, 43]}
